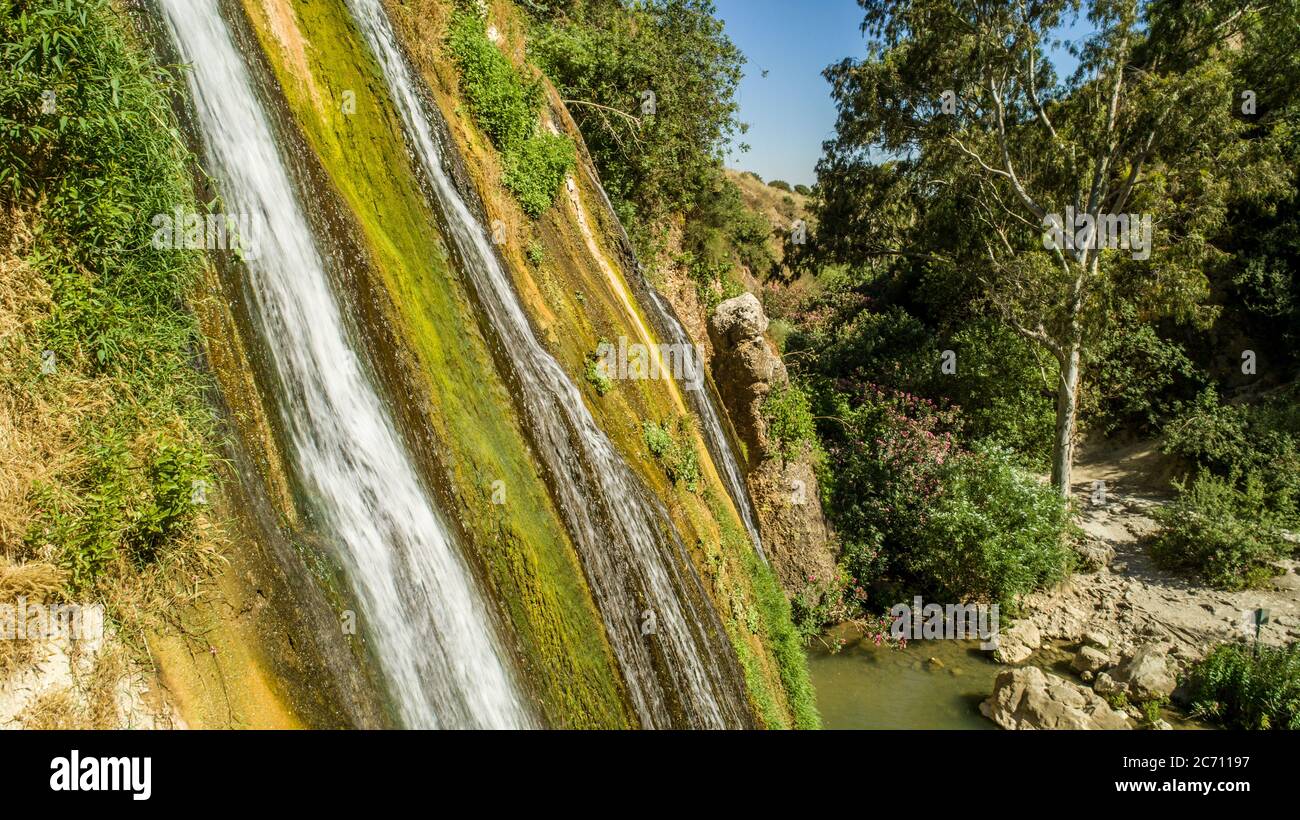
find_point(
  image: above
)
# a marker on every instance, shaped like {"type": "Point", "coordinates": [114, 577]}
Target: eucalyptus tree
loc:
{"type": "Point", "coordinates": [958, 148]}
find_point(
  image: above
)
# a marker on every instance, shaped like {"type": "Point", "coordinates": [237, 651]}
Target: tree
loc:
{"type": "Point", "coordinates": [652, 87]}
{"type": "Point", "coordinates": [1042, 189]}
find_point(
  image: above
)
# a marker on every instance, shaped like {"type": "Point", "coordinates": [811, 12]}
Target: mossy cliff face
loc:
{"type": "Point", "coordinates": [423, 337]}
{"type": "Point", "coordinates": [572, 272]}
{"type": "Point", "coordinates": [440, 368]}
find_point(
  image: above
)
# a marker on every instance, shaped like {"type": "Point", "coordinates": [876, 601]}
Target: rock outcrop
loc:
{"type": "Point", "coordinates": [1030, 698]}
{"type": "Point", "coordinates": [746, 368]}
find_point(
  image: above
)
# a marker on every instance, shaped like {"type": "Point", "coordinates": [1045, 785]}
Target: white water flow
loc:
{"type": "Point", "coordinates": [682, 671]}
{"type": "Point", "coordinates": [431, 630]}
{"type": "Point", "coordinates": [715, 436]}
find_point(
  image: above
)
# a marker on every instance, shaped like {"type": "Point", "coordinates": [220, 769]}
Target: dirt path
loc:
{"type": "Point", "coordinates": [1130, 600]}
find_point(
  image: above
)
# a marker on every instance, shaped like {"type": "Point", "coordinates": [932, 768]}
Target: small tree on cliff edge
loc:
{"type": "Point", "coordinates": [986, 146]}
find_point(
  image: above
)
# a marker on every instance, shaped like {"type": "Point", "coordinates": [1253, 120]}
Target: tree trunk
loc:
{"type": "Point", "coordinates": [1067, 409]}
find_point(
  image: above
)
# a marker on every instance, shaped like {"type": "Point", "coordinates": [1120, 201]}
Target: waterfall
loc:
{"type": "Point", "coordinates": [430, 627]}
{"type": "Point", "coordinates": [682, 671]}
{"type": "Point", "coordinates": [706, 407]}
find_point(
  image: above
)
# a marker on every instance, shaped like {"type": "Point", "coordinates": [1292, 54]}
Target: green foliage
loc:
{"type": "Point", "coordinates": [1221, 532]}
{"type": "Point", "coordinates": [785, 641]}
{"type": "Point", "coordinates": [967, 186]}
{"type": "Point", "coordinates": [605, 56]}
{"type": "Point", "coordinates": [803, 189]}
{"type": "Point", "coordinates": [506, 105]}
{"type": "Point", "coordinates": [788, 413]}
{"type": "Point", "coordinates": [95, 170]}
{"type": "Point", "coordinates": [673, 445]}
{"type": "Point", "coordinates": [596, 376]}
{"type": "Point", "coordinates": [1248, 688]}
{"type": "Point", "coordinates": [1135, 374]}
{"type": "Point", "coordinates": [1252, 443]}
{"type": "Point", "coordinates": [535, 170]}
{"type": "Point", "coordinates": [919, 515]}
{"type": "Point", "coordinates": [1004, 388]}
{"type": "Point", "coordinates": [780, 185]}
{"type": "Point", "coordinates": [536, 253]}
{"type": "Point", "coordinates": [995, 533]}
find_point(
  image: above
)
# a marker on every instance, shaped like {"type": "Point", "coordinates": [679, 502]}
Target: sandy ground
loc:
{"type": "Point", "coordinates": [1132, 601]}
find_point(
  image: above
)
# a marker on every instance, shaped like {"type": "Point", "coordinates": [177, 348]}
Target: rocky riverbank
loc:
{"type": "Point", "coordinates": [1134, 629]}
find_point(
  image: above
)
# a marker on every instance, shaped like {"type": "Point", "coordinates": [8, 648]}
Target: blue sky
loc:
{"type": "Point", "coordinates": [790, 111]}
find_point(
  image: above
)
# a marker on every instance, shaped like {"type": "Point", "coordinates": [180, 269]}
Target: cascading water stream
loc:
{"type": "Point", "coordinates": [635, 562]}
{"type": "Point", "coordinates": [430, 627]}
{"type": "Point", "coordinates": [703, 402]}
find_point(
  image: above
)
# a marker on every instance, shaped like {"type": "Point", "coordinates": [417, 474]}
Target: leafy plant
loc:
{"type": "Point", "coordinates": [505, 106]}
{"type": "Point", "coordinates": [1218, 531]}
{"type": "Point", "coordinates": [1248, 688]}
{"type": "Point", "coordinates": [788, 413]}
{"type": "Point", "coordinates": [675, 450]}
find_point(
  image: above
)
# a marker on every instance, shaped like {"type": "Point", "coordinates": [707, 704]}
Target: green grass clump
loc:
{"type": "Point", "coordinates": [505, 106]}
{"type": "Point", "coordinates": [1245, 688]}
{"type": "Point", "coordinates": [673, 445]}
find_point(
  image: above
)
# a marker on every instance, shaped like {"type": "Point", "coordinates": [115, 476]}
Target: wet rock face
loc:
{"type": "Point", "coordinates": [1030, 698]}
{"type": "Point", "coordinates": [786, 499]}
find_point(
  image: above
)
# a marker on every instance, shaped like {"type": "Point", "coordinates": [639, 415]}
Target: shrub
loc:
{"type": "Point", "coordinates": [1220, 532]}
{"type": "Point", "coordinates": [1257, 443]}
{"type": "Point", "coordinates": [1005, 389]}
{"type": "Point", "coordinates": [803, 189]}
{"type": "Point", "coordinates": [534, 171]}
{"type": "Point", "coordinates": [505, 106]}
{"type": "Point", "coordinates": [917, 512]}
{"type": "Point", "coordinates": [995, 532]}
{"type": "Point", "coordinates": [596, 375]}
{"type": "Point", "coordinates": [780, 185]}
{"type": "Point", "coordinates": [790, 427]}
{"type": "Point", "coordinates": [1244, 688]}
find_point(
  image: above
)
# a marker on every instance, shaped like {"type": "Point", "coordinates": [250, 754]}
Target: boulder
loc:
{"type": "Point", "coordinates": [1090, 659]}
{"type": "Point", "coordinates": [1030, 698]}
{"type": "Point", "coordinates": [1018, 643]}
{"type": "Point", "coordinates": [1096, 638]}
{"type": "Point", "coordinates": [1148, 673]}
{"type": "Point", "coordinates": [1105, 685]}
{"type": "Point", "coordinates": [739, 319]}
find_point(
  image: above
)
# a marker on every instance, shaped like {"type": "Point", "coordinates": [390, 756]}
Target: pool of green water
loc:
{"type": "Point", "coordinates": [928, 685]}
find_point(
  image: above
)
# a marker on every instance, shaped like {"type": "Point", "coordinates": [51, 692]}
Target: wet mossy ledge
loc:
{"type": "Point", "coordinates": [568, 268]}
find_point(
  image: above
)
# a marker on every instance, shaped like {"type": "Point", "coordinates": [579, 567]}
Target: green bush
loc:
{"type": "Point", "coordinates": [790, 426]}
{"type": "Point", "coordinates": [534, 171]}
{"type": "Point", "coordinates": [1005, 388]}
{"type": "Point", "coordinates": [917, 514]}
{"type": "Point", "coordinates": [1220, 532]}
{"type": "Point", "coordinates": [1257, 443]}
{"type": "Point", "coordinates": [1248, 688]}
{"type": "Point", "coordinates": [803, 189]}
{"type": "Point", "coordinates": [596, 375]}
{"type": "Point", "coordinates": [995, 532]}
{"type": "Point", "coordinates": [505, 106]}
{"type": "Point", "coordinates": [780, 185]}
